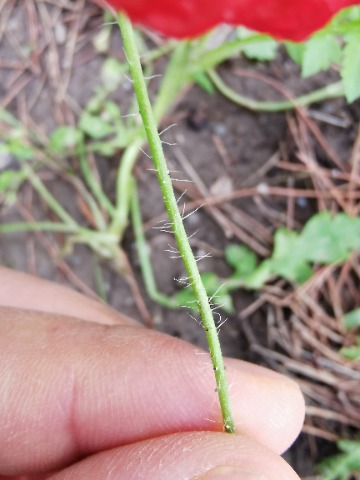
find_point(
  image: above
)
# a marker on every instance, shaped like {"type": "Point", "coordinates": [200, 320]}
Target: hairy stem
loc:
{"type": "Point", "coordinates": [165, 183]}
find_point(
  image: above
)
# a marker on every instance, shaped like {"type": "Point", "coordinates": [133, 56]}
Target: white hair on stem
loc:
{"type": "Point", "coordinates": [143, 151]}
{"type": "Point", "coordinates": [167, 128]}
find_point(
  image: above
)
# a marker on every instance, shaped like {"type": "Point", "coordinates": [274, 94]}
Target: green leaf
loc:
{"type": "Point", "coordinates": [320, 52]}
{"type": "Point", "coordinates": [186, 298]}
{"type": "Point", "coordinates": [295, 51]}
{"type": "Point", "coordinates": [350, 72]}
{"type": "Point", "coordinates": [95, 126]}
{"type": "Point", "coordinates": [18, 149]}
{"type": "Point", "coordinates": [325, 239]}
{"type": "Point", "coordinates": [263, 51]}
{"type": "Point", "coordinates": [328, 239]}
{"type": "Point", "coordinates": [259, 277]}
{"type": "Point", "coordinates": [112, 110]}
{"type": "Point", "coordinates": [10, 182]}
{"type": "Point", "coordinates": [9, 179]}
{"type": "Point", "coordinates": [64, 138]}
{"type": "Point", "coordinates": [348, 446]}
{"type": "Point", "coordinates": [289, 258]}
{"type": "Point", "coordinates": [351, 353]}
{"type": "Point", "coordinates": [241, 258]}
{"type": "Point", "coordinates": [211, 282]}
{"type": "Point", "coordinates": [112, 73]}
{"type": "Point", "coordinates": [352, 319]}
{"type": "Point", "coordinates": [204, 82]}
{"type": "Point", "coordinates": [225, 301]}
{"type": "Point", "coordinates": [214, 288]}
{"type": "Point", "coordinates": [341, 466]}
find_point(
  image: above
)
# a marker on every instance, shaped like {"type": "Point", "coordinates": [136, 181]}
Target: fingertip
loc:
{"type": "Point", "coordinates": [187, 455]}
{"type": "Point", "coordinates": [23, 291]}
{"type": "Point", "coordinates": [274, 405]}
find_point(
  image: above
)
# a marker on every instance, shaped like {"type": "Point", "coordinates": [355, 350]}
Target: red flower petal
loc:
{"type": "Point", "coordinates": [286, 19]}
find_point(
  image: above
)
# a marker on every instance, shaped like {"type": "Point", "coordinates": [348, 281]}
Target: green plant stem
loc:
{"type": "Point", "coordinates": [92, 183]}
{"type": "Point", "coordinates": [152, 55]}
{"type": "Point", "coordinates": [165, 183]}
{"type": "Point", "coordinates": [49, 199]}
{"type": "Point", "coordinates": [36, 227]}
{"type": "Point", "coordinates": [123, 187]}
{"type": "Point", "coordinates": [144, 255]}
{"type": "Point", "coordinates": [333, 90]}
{"type": "Point", "coordinates": [172, 83]}
{"type": "Point", "coordinates": [99, 278]}
{"type": "Point", "coordinates": [175, 79]}
{"type": "Point", "coordinates": [223, 52]}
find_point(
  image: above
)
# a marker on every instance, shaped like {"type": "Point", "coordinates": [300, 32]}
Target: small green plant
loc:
{"type": "Point", "coordinates": [336, 44]}
{"type": "Point", "coordinates": [343, 465]}
{"type": "Point", "coordinates": [324, 240]}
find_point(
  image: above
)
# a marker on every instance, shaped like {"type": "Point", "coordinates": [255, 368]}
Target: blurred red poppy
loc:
{"type": "Point", "coordinates": [284, 19]}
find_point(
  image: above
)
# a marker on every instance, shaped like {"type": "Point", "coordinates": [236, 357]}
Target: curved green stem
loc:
{"type": "Point", "coordinates": [123, 187]}
{"type": "Point", "coordinates": [334, 90]}
{"type": "Point", "coordinates": [144, 255]}
{"type": "Point", "coordinates": [165, 183]}
{"type": "Point", "coordinates": [48, 197]}
{"type": "Point", "coordinates": [93, 184]}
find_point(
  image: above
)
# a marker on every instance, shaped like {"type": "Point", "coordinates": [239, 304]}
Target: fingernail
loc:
{"type": "Point", "coordinates": [231, 473]}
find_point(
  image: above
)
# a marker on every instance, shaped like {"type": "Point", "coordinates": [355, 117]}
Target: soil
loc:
{"type": "Point", "coordinates": [228, 147]}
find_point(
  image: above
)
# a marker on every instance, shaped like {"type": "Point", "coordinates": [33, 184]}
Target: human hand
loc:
{"type": "Point", "coordinates": [89, 394]}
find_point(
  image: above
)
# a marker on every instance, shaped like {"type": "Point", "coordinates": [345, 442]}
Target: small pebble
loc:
{"type": "Point", "coordinates": [220, 129]}
{"type": "Point", "coordinates": [302, 202]}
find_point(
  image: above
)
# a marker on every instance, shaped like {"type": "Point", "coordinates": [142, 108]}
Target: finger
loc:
{"type": "Point", "coordinates": [72, 388]}
{"type": "Point", "coordinates": [21, 290]}
{"type": "Point", "coordinates": [186, 456]}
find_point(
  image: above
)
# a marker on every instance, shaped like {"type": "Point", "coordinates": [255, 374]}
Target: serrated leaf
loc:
{"type": "Point", "coordinates": [352, 319]}
{"type": "Point", "coordinates": [350, 71]}
{"type": "Point", "coordinates": [320, 53]}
